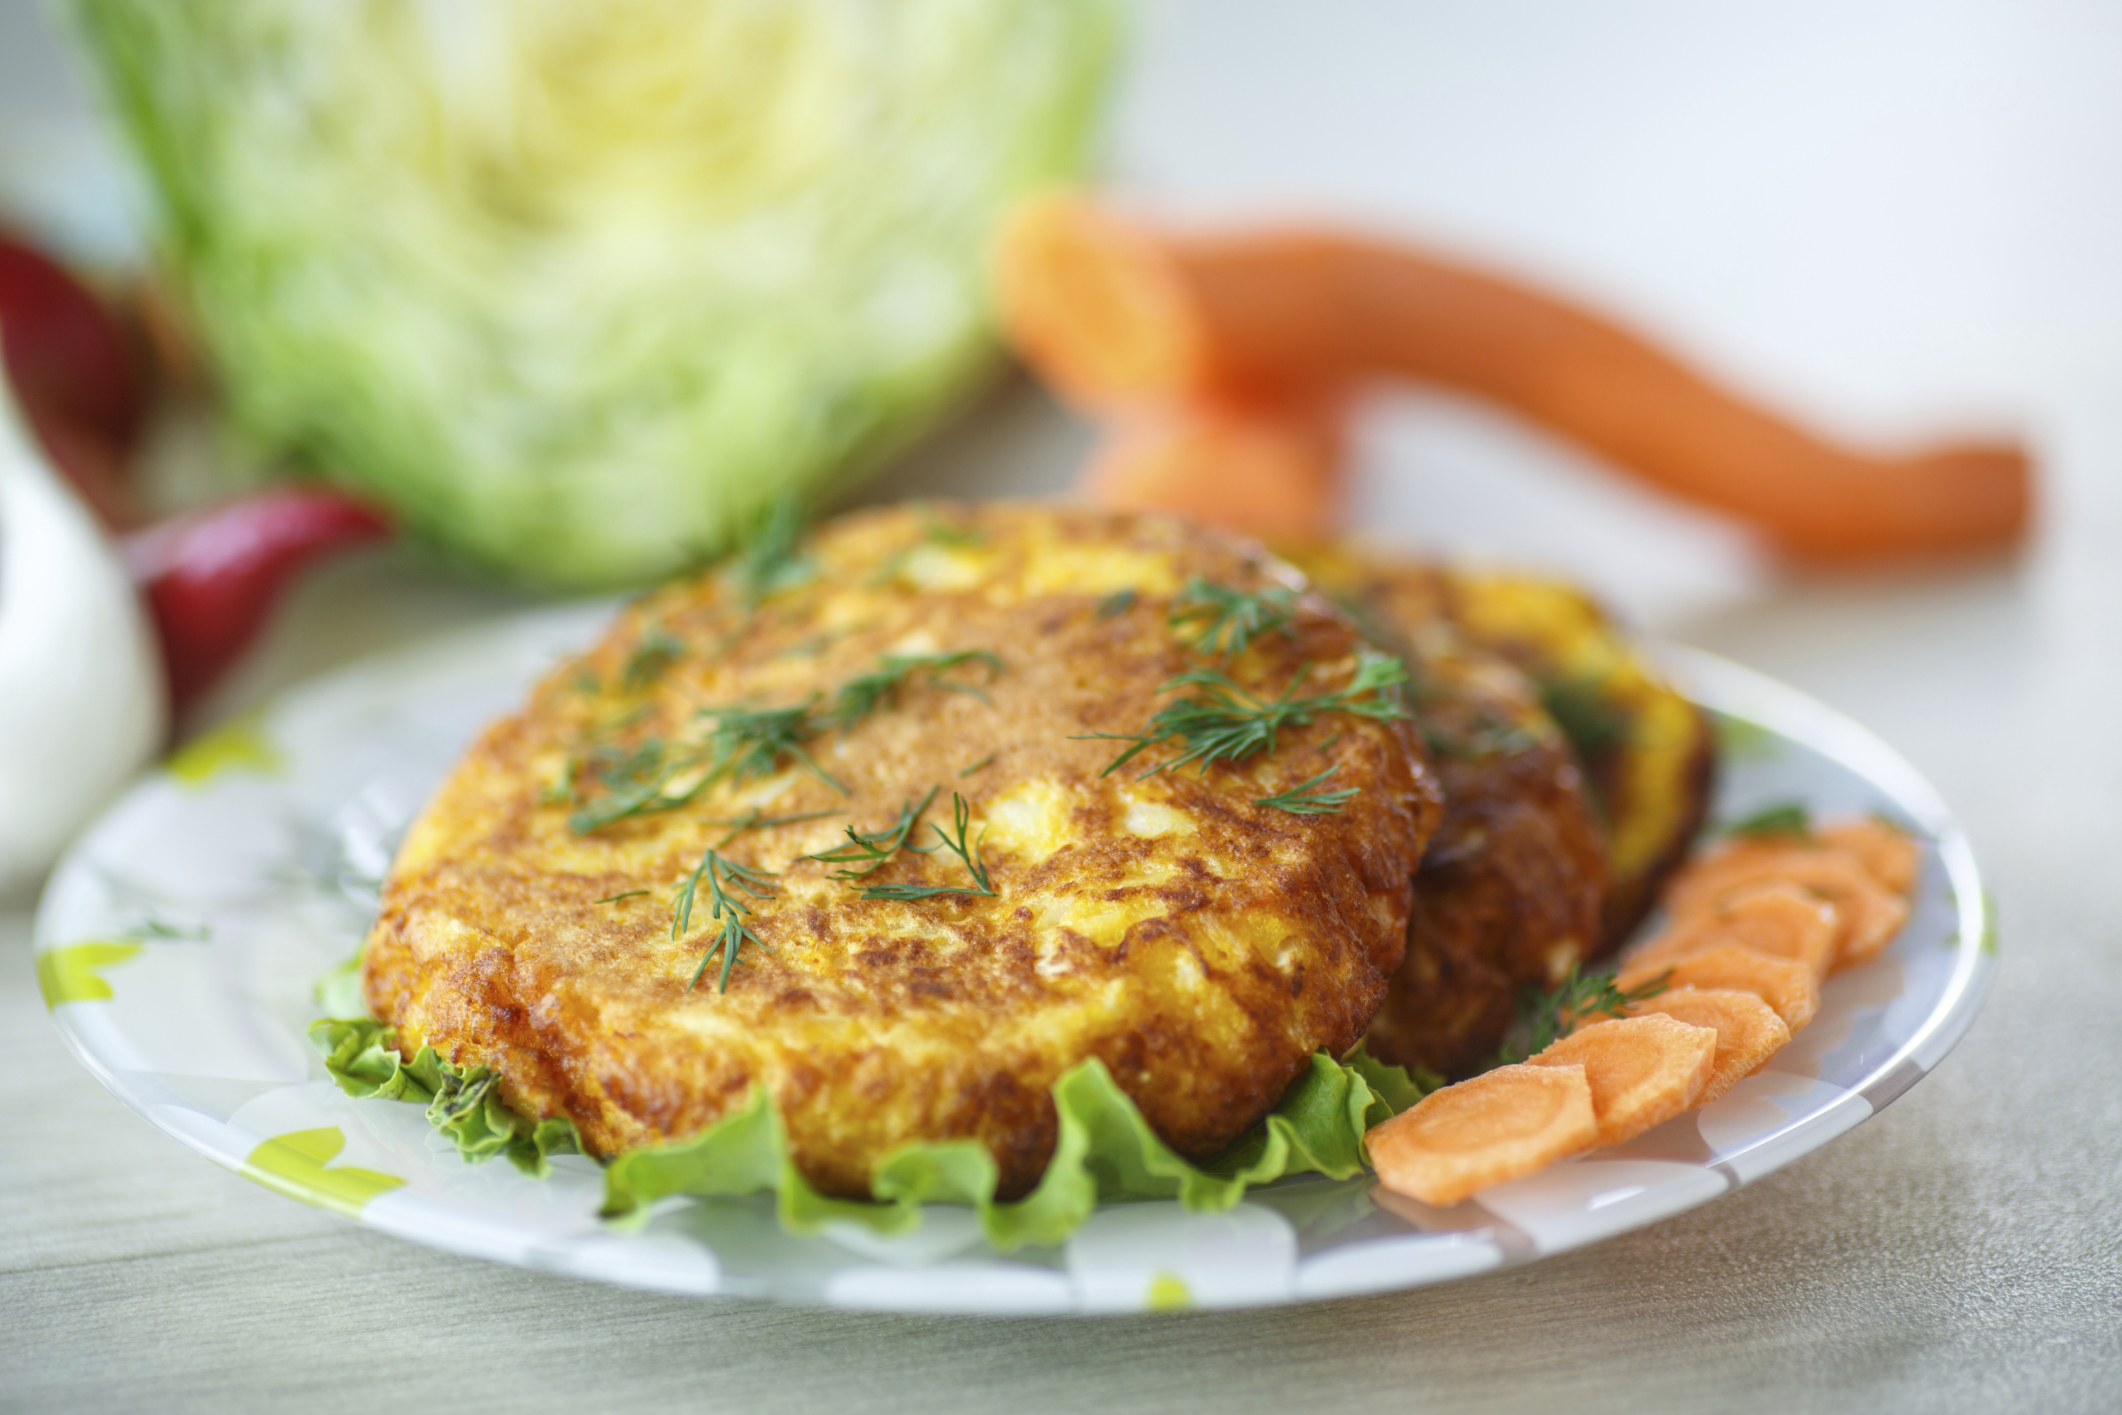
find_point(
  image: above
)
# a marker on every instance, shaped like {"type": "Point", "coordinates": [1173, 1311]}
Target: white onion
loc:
{"type": "Point", "coordinates": [82, 701]}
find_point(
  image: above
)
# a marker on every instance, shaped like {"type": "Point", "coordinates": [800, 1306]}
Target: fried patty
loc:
{"type": "Point", "coordinates": [1198, 942]}
{"type": "Point", "coordinates": [1510, 889]}
{"type": "Point", "coordinates": [1648, 753]}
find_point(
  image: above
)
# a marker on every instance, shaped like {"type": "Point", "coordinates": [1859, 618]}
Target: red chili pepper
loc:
{"type": "Point", "coordinates": [211, 578]}
{"type": "Point", "coordinates": [76, 374]}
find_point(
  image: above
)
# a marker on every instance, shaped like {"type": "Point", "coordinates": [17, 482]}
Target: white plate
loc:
{"type": "Point", "coordinates": [179, 940]}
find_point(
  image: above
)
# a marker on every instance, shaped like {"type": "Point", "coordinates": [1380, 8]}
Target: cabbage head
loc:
{"type": "Point", "coordinates": [580, 289]}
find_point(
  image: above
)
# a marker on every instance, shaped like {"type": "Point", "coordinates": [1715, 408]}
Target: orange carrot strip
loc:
{"type": "Point", "coordinates": [1110, 313]}
{"type": "Point", "coordinates": [1886, 853]}
{"type": "Point", "coordinates": [1785, 984]}
{"type": "Point", "coordinates": [1780, 920]}
{"type": "Point", "coordinates": [1503, 1124]}
{"type": "Point", "coordinates": [1748, 1031]}
{"type": "Point", "coordinates": [1643, 1071]}
{"type": "Point", "coordinates": [1870, 913]}
{"type": "Point", "coordinates": [1270, 469]}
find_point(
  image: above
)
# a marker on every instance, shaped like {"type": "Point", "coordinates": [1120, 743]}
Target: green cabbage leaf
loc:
{"type": "Point", "coordinates": [578, 290]}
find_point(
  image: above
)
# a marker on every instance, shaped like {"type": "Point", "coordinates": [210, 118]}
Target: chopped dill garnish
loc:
{"type": "Point", "coordinates": [1375, 631]}
{"type": "Point", "coordinates": [748, 743]}
{"type": "Point", "coordinates": [752, 820]}
{"type": "Point", "coordinates": [864, 694]}
{"type": "Point", "coordinates": [653, 654]}
{"type": "Point", "coordinates": [807, 648]}
{"type": "Point", "coordinates": [585, 681]}
{"type": "Point", "coordinates": [1789, 819]}
{"type": "Point", "coordinates": [622, 894]}
{"type": "Point", "coordinates": [877, 847]}
{"type": "Point", "coordinates": [1591, 721]}
{"type": "Point", "coordinates": [1216, 619]}
{"type": "Point", "coordinates": [986, 761]}
{"type": "Point", "coordinates": [1304, 800]}
{"type": "Point", "coordinates": [1227, 723]}
{"type": "Point", "coordinates": [721, 877]}
{"type": "Point", "coordinates": [938, 531]}
{"type": "Point", "coordinates": [1544, 1016]}
{"type": "Point", "coordinates": [1116, 603]}
{"type": "Point", "coordinates": [970, 854]}
{"type": "Point", "coordinates": [1490, 736]}
{"type": "Point", "coordinates": [560, 791]}
{"type": "Point", "coordinates": [771, 562]}
{"type": "Point", "coordinates": [634, 780]}
{"type": "Point", "coordinates": [934, 531]}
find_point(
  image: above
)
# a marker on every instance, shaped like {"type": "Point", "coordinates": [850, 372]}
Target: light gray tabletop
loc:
{"type": "Point", "coordinates": [1890, 217]}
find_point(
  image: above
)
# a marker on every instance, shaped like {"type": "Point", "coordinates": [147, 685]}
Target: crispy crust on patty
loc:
{"type": "Point", "coordinates": [1648, 753]}
{"type": "Point", "coordinates": [1201, 945]}
{"type": "Point", "coordinates": [1510, 889]}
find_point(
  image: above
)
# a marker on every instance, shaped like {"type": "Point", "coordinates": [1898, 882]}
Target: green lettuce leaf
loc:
{"type": "Point", "coordinates": [463, 1102]}
{"type": "Point", "coordinates": [1104, 1152]}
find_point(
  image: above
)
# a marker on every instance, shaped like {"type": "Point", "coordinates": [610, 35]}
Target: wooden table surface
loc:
{"type": "Point", "coordinates": [1888, 216]}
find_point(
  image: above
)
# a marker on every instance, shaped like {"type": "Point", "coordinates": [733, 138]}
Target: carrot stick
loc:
{"type": "Point", "coordinates": [1112, 314]}
{"type": "Point", "coordinates": [1270, 468]}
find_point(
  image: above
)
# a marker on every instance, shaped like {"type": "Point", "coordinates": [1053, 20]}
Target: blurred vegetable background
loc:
{"type": "Point", "coordinates": [578, 291]}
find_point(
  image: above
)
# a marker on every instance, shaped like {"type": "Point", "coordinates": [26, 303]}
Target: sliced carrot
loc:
{"type": "Point", "coordinates": [1780, 920]}
{"type": "Point", "coordinates": [1271, 470]}
{"type": "Point", "coordinates": [1885, 851]}
{"type": "Point", "coordinates": [1643, 1070]}
{"type": "Point", "coordinates": [1785, 984]}
{"type": "Point", "coordinates": [1748, 1031]}
{"type": "Point", "coordinates": [1503, 1124]}
{"type": "Point", "coordinates": [1112, 313]}
{"type": "Point", "coordinates": [1869, 913]}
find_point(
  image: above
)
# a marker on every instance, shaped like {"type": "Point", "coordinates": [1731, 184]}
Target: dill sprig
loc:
{"type": "Point", "coordinates": [1304, 799]}
{"type": "Point", "coordinates": [1217, 619]}
{"type": "Point", "coordinates": [653, 654]}
{"type": "Point", "coordinates": [863, 694]}
{"type": "Point", "coordinates": [1227, 723]}
{"type": "Point", "coordinates": [634, 781]}
{"type": "Point", "coordinates": [970, 854]}
{"type": "Point", "coordinates": [876, 847]}
{"type": "Point", "coordinates": [1592, 722]}
{"type": "Point", "coordinates": [622, 894]}
{"type": "Point", "coordinates": [1489, 736]}
{"type": "Point", "coordinates": [1790, 819]}
{"type": "Point", "coordinates": [934, 531]}
{"type": "Point", "coordinates": [938, 531]}
{"type": "Point", "coordinates": [1541, 1017]}
{"type": "Point", "coordinates": [721, 877]}
{"type": "Point", "coordinates": [1116, 603]}
{"type": "Point", "coordinates": [770, 562]}
{"type": "Point", "coordinates": [986, 761]}
{"type": "Point", "coordinates": [749, 743]}
{"type": "Point", "coordinates": [753, 820]}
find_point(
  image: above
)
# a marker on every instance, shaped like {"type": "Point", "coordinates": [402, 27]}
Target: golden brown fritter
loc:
{"type": "Point", "coordinates": [1510, 889]}
{"type": "Point", "coordinates": [1199, 943]}
{"type": "Point", "coordinates": [1647, 751]}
